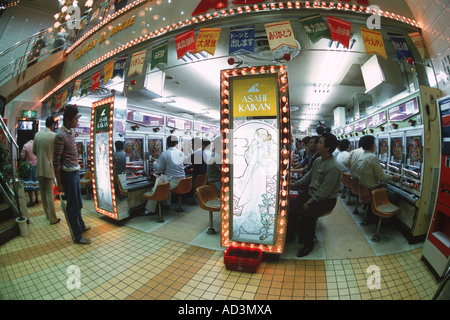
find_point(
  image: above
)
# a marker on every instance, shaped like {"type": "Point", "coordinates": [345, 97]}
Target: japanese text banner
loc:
{"type": "Point", "coordinates": [340, 31]}
{"type": "Point", "coordinates": [137, 62]}
{"type": "Point", "coordinates": [316, 28]}
{"type": "Point", "coordinates": [280, 34]}
{"type": "Point", "coordinates": [207, 40]}
{"type": "Point", "coordinates": [242, 40]}
{"type": "Point", "coordinates": [373, 42]}
{"type": "Point", "coordinates": [185, 43]}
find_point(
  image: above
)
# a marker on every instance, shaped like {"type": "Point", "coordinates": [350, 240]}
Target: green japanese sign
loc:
{"type": "Point", "coordinates": [159, 54]}
{"type": "Point", "coordinates": [102, 118]}
{"type": "Point", "coordinates": [316, 28]}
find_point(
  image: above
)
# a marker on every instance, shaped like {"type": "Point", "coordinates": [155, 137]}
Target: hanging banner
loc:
{"type": "Point", "coordinates": [63, 99]}
{"type": "Point", "coordinates": [119, 66]}
{"type": "Point", "coordinates": [159, 55]}
{"type": "Point", "coordinates": [207, 40]}
{"type": "Point", "coordinates": [373, 42]}
{"type": "Point", "coordinates": [84, 87]}
{"type": "Point", "coordinates": [96, 80]}
{"type": "Point", "coordinates": [340, 31]}
{"type": "Point", "coordinates": [242, 40]}
{"type": "Point", "coordinates": [400, 46]}
{"type": "Point", "coordinates": [280, 34]}
{"type": "Point", "coordinates": [185, 43]}
{"type": "Point", "coordinates": [205, 5]}
{"type": "Point", "coordinates": [419, 43]}
{"type": "Point", "coordinates": [58, 102]}
{"type": "Point", "coordinates": [108, 71]}
{"type": "Point", "coordinates": [137, 63]}
{"type": "Point", "coordinates": [316, 28]}
{"type": "Point", "coordinates": [70, 92]}
{"type": "Point", "coordinates": [77, 87]}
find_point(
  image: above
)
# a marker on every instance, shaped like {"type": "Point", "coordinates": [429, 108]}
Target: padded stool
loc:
{"type": "Point", "coordinates": [365, 197]}
{"type": "Point", "coordinates": [86, 181]}
{"type": "Point", "coordinates": [209, 201]}
{"type": "Point", "coordinates": [161, 193]}
{"type": "Point", "coordinates": [346, 180]}
{"type": "Point", "coordinates": [382, 207]}
{"type": "Point", "coordinates": [183, 187]}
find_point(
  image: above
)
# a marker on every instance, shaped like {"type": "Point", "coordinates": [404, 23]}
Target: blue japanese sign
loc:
{"type": "Point", "coordinates": [400, 46]}
{"type": "Point", "coordinates": [242, 40]}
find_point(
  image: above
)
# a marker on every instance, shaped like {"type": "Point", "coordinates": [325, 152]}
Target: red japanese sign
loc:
{"type": "Point", "coordinates": [185, 43]}
{"type": "Point", "coordinates": [340, 31]}
{"type": "Point", "coordinates": [205, 5]}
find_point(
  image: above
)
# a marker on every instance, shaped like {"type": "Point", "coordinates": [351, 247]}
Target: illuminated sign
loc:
{"type": "Point", "coordinates": [101, 155]}
{"type": "Point", "coordinates": [119, 27]}
{"type": "Point", "coordinates": [29, 113]}
{"type": "Point", "coordinates": [255, 177]}
{"type": "Point", "coordinates": [254, 96]}
{"type": "Point", "coordinates": [205, 5]}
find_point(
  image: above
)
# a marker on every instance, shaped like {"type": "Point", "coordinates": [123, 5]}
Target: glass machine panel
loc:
{"type": "Point", "coordinates": [134, 149]}
{"type": "Point", "coordinates": [412, 169]}
{"type": "Point", "coordinates": [383, 151]}
{"type": "Point", "coordinates": [155, 148]}
{"type": "Point", "coordinates": [396, 156]}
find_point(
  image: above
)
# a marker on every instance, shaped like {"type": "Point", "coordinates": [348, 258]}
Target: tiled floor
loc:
{"type": "Point", "coordinates": [143, 260]}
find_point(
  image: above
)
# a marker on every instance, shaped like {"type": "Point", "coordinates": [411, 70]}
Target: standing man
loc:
{"type": "Point", "coordinates": [43, 149]}
{"type": "Point", "coordinates": [119, 165]}
{"type": "Point", "coordinates": [322, 183]}
{"type": "Point", "coordinates": [65, 162]}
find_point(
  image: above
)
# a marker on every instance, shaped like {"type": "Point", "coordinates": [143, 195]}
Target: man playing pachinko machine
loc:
{"type": "Point", "coordinates": [322, 187]}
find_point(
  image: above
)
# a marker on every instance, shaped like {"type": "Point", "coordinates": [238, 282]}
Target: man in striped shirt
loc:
{"type": "Point", "coordinates": [65, 162]}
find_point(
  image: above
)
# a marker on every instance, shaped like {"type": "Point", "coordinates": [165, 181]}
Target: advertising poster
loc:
{"type": "Point", "coordinates": [255, 153]}
{"type": "Point", "coordinates": [101, 158]}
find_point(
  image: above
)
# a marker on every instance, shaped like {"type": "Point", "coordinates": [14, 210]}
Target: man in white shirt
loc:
{"type": "Point", "coordinates": [343, 155]}
{"type": "Point", "coordinates": [370, 173]}
{"type": "Point", "coordinates": [170, 163]}
{"type": "Point", "coordinates": [352, 161]}
{"type": "Point", "coordinates": [43, 149]}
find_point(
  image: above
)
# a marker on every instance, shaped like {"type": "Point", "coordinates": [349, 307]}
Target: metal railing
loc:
{"type": "Point", "coordinates": [11, 195]}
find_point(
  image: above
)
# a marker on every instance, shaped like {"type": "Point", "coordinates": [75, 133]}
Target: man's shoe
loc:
{"type": "Point", "coordinates": [305, 251]}
{"type": "Point", "coordinates": [84, 241]}
{"type": "Point", "coordinates": [59, 219]}
{"type": "Point", "coordinates": [87, 228]}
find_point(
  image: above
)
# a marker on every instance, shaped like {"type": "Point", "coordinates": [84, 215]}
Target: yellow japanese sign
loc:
{"type": "Point", "coordinates": [207, 40]}
{"type": "Point", "coordinates": [373, 42]}
{"type": "Point", "coordinates": [255, 97]}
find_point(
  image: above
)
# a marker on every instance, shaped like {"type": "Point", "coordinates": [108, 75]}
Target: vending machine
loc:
{"type": "Point", "coordinates": [436, 249]}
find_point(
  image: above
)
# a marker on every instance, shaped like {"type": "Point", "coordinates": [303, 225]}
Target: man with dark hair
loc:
{"type": "Point", "coordinates": [343, 155]}
{"type": "Point", "coordinates": [322, 184]}
{"type": "Point", "coordinates": [369, 171]}
{"type": "Point", "coordinates": [67, 172]}
{"type": "Point", "coordinates": [306, 164]}
{"type": "Point", "coordinates": [171, 163]}
{"type": "Point", "coordinates": [119, 165]}
{"type": "Point", "coordinates": [43, 149]}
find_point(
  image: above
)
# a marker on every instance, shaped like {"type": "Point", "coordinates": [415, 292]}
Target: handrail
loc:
{"type": "Point", "coordinates": [14, 150]}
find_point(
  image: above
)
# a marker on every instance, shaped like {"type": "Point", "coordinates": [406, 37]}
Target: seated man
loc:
{"type": "Point", "coordinates": [343, 155]}
{"type": "Point", "coordinates": [370, 173]}
{"type": "Point", "coordinates": [322, 183]}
